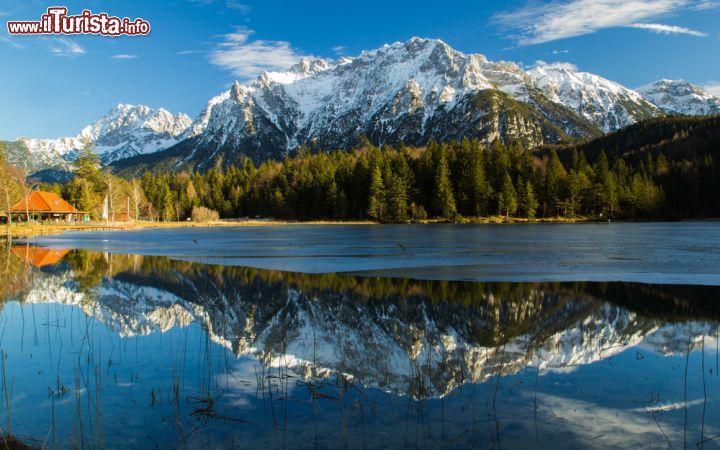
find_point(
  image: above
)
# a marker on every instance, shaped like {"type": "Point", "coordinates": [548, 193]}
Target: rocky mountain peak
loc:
{"type": "Point", "coordinates": [680, 97]}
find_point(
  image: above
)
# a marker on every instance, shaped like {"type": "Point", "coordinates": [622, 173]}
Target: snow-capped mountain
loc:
{"type": "Point", "coordinates": [681, 97]}
{"type": "Point", "coordinates": [125, 131]}
{"type": "Point", "coordinates": [606, 104]}
{"type": "Point", "coordinates": [406, 92]}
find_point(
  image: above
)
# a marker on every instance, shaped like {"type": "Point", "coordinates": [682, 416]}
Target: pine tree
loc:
{"type": "Point", "coordinates": [473, 187]}
{"type": "Point", "coordinates": [444, 200]}
{"type": "Point", "coordinates": [168, 207]}
{"type": "Point", "coordinates": [573, 190]}
{"type": "Point", "coordinates": [376, 202]}
{"type": "Point", "coordinates": [554, 178]}
{"type": "Point", "coordinates": [531, 202]}
{"type": "Point", "coordinates": [508, 197]}
{"type": "Point", "coordinates": [397, 200]}
{"type": "Point", "coordinates": [87, 165]}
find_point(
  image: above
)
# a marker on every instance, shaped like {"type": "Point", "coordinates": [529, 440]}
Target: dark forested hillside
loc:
{"type": "Point", "coordinates": [683, 152]}
{"type": "Point", "coordinates": [676, 137]}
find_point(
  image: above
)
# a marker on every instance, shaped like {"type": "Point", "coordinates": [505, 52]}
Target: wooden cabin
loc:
{"type": "Point", "coordinates": [42, 205]}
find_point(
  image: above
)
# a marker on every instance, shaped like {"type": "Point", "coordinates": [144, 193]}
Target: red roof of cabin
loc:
{"type": "Point", "coordinates": [44, 202]}
{"type": "Point", "coordinates": [38, 256]}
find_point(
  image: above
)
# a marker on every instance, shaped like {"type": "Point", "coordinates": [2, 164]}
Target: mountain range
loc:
{"type": "Point", "coordinates": [407, 92]}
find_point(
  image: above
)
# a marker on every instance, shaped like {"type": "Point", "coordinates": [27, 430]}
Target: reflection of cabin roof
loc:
{"type": "Point", "coordinates": [38, 256]}
{"type": "Point", "coordinates": [44, 202]}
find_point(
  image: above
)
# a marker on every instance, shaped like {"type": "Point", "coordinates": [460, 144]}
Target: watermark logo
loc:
{"type": "Point", "coordinates": [57, 21]}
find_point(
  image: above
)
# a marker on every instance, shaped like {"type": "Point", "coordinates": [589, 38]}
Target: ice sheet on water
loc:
{"type": "Point", "coordinates": [673, 253]}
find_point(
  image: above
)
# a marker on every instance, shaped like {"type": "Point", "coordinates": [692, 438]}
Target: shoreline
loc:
{"type": "Point", "coordinates": [22, 230]}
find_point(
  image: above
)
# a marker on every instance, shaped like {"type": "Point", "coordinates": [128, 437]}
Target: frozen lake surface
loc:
{"type": "Point", "coordinates": [670, 253]}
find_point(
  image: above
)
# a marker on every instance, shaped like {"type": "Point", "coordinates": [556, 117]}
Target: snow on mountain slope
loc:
{"type": "Point", "coordinates": [407, 92]}
{"type": "Point", "coordinates": [605, 103]}
{"type": "Point", "coordinates": [126, 130]}
{"type": "Point", "coordinates": [680, 97]}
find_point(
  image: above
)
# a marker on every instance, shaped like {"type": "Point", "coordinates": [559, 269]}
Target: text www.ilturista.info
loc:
{"type": "Point", "coordinates": [56, 21]}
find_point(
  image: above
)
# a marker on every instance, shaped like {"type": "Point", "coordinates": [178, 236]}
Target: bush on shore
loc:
{"type": "Point", "coordinates": [202, 214]}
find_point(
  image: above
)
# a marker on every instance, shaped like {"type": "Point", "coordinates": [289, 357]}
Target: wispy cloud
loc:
{"type": "Point", "coordinates": [66, 47]}
{"type": "Point", "coordinates": [556, 65]}
{"type": "Point", "coordinates": [12, 43]}
{"type": "Point", "coordinates": [706, 4]}
{"type": "Point", "coordinates": [237, 6]}
{"type": "Point", "coordinates": [667, 29]}
{"type": "Point", "coordinates": [123, 56]}
{"type": "Point", "coordinates": [712, 87]}
{"type": "Point", "coordinates": [230, 4]}
{"type": "Point", "coordinates": [536, 24]}
{"type": "Point", "coordinates": [189, 52]}
{"type": "Point", "coordinates": [339, 50]}
{"type": "Point", "coordinates": [560, 52]}
{"type": "Point", "coordinates": [247, 58]}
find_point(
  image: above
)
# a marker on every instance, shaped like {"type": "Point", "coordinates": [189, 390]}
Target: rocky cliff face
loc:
{"type": "Point", "coordinates": [604, 103]}
{"type": "Point", "coordinates": [407, 92]}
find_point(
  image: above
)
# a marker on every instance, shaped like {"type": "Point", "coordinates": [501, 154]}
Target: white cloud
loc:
{"type": "Point", "coordinates": [66, 47]}
{"type": "Point", "coordinates": [706, 4]}
{"type": "Point", "coordinates": [535, 24]}
{"type": "Point", "coordinates": [123, 56]}
{"type": "Point", "coordinates": [667, 29]}
{"type": "Point", "coordinates": [246, 58]}
{"type": "Point", "coordinates": [557, 65]}
{"type": "Point", "coordinates": [560, 52]}
{"type": "Point", "coordinates": [230, 4]}
{"type": "Point", "coordinates": [712, 87]}
{"type": "Point", "coordinates": [236, 5]}
{"type": "Point", "coordinates": [189, 52]}
{"type": "Point", "coordinates": [339, 50]}
{"type": "Point", "coordinates": [12, 42]}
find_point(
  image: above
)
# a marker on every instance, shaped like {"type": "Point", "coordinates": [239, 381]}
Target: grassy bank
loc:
{"type": "Point", "coordinates": [24, 230]}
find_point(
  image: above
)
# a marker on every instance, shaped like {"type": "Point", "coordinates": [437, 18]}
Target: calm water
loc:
{"type": "Point", "coordinates": [680, 253]}
{"type": "Point", "coordinates": [121, 349]}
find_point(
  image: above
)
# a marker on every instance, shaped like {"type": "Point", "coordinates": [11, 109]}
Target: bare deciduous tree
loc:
{"type": "Point", "coordinates": [137, 196]}
{"type": "Point", "coordinates": [9, 188]}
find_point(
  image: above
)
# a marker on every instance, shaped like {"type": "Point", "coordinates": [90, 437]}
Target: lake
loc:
{"type": "Point", "coordinates": [679, 253]}
{"type": "Point", "coordinates": [546, 336]}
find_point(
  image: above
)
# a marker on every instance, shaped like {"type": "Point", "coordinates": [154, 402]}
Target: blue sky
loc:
{"type": "Point", "coordinates": [53, 86]}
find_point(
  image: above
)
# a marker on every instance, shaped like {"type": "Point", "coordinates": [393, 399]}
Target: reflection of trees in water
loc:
{"type": "Point", "coordinates": [265, 313]}
{"type": "Point", "coordinates": [425, 336]}
{"type": "Point", "coordinates": [14, 274]}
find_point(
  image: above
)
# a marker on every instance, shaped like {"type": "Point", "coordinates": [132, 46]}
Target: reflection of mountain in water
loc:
{"type": "Point", "coordinates": [421, 338]}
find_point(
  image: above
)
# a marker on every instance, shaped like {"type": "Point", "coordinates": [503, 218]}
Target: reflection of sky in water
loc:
{"type": "Point", "coordinates": [173, 354]}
